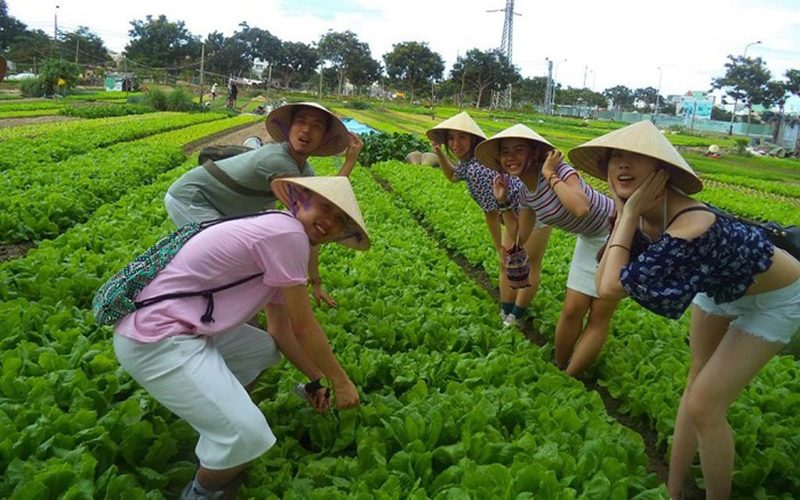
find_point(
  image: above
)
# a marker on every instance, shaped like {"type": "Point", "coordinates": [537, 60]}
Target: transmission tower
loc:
{"type": "Point", "coordinates": [503, 97]}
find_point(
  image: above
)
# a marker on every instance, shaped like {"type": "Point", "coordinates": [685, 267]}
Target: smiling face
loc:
{"type": "Point", "coordinates": [515, 155]}
{"type": "Point", "coordinates": [308, 130]}
{"type": "Point", "coordinates": [459, 143]}
{"type": "Point", "coordinates": [627, 171]}
{"type": "Point", "coordinates": [322, 220]}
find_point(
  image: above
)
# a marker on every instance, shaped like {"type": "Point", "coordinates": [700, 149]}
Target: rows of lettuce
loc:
{"type": "Point", "coordinates": [452, 405]}
{"type": "Point", "coordinates": [645, 361]}
{"type": "Point", "coordinates": [54, 194]}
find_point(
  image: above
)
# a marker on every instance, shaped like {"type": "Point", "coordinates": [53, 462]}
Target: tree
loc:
{"type": "Point", "coordinates": [10, 27]}
{"type": "Point", "coordinates": [745, 80]}
{"type": "Point", "coordinates": [621, 96]}
{"type": "Point", "coordinates": [776, 94]}
{"type": "Point", "coordinates": [530, 90]}
{"type": "Point", "coordinates": [793, 81]}
{"type": "Point", "coordinates": [29, 47]}
{"type": "Point", "coordinates": [647, 97]}
{"type": "Point", "coordinates": [580, 97]}
{"type": "Point", "coordinates": [161, 43]}
{"type": "Point", "coordinates": [348, 56]}
{"type": "Point", "coordinates": [88, 47]}
{"type": "Point", "coordinates": [297, 63]}
{"type": "Point", "coordinates": [226, 55]}
{"type": "Point", "coordinates": [481, 72]}
{"type": "Point", "coordinates": [413, 66]}
{"type": "Point", "coordinates": [260, 44]}
{"type": "Point", "coordinates": [363, 70]}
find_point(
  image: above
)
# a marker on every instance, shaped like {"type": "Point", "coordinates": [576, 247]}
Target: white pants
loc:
{"type": "Point", "coordinates": [181, 213]}
{"type": "Point", "coordinates": [201, 379]}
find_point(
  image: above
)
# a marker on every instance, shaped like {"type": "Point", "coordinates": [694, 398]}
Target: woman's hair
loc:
{"type": "Point", "coordinates": [297, 194]}
{"type": "Point", "coordinates": [328, 117]}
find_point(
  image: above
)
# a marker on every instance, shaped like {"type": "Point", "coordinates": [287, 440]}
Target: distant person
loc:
{"type": "Point", "coordinates": [214, 92]}
{"type": "Point", "coordinates": [233, 93]}
{"type": "Point", "coordinates": [670, 252]}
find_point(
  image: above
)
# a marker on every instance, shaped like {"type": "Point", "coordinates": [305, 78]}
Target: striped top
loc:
{"type": "Point", "coordinates": [549, 210]}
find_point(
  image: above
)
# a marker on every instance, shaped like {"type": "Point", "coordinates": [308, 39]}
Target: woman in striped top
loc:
{"type": "Point", "coordinates": [554, 194]}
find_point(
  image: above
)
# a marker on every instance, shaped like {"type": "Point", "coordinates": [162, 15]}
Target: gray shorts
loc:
{"type": "Point", "coordinates": [773, 316]}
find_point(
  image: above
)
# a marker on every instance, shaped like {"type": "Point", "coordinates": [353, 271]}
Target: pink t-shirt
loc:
{"type": "Point", "coordinates": [275, 244]}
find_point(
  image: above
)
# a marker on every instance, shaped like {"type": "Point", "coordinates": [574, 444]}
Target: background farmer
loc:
{"type": "Point", "coordinates": [200, 370]}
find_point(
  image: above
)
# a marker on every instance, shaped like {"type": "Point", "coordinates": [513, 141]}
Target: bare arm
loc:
{"type": "Point", "coordinates": [320, 294]}
{"type": "Point", "coordinates": [313, 340]}
{"type": "Point", "coordinates": [280, 328]}
{"type": "Point", "coordinates": [354, 146]}
{"type": "Point", "coordinates": [569, 192]}
{"type": "Point", "coordinates": [616, 255]}
{"type": "Point", "coordinates": [444, 161]}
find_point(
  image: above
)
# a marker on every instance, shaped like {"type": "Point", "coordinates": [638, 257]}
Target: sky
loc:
{"type": "Point", "coordinates": [677, 46]}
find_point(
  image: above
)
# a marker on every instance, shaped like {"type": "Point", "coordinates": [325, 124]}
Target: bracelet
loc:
{"type": "Point", "coordinates": [314, 281]}
{"type": "Point", "coordinates": [313, 386]}
{"type": "Point", "coordinates": [503, 206]}
{"type": "Point", "coordinates": [553, 184]}
{"type": "Point", "coordinates": [620, 246]}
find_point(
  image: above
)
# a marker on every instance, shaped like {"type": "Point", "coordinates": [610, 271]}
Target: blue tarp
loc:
{"type": "Point", "coordinates": [357, 127]}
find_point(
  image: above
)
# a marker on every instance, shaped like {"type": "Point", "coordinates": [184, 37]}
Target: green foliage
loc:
{"type": "Point", "coordinates": [178, 99]}
{"type": "Point", "coordinates": [106, 110]}
{"type": "Point", "coordinates": [358, 104]}
{"type": "Point", "coordinates": [58, 76]}
{"type": "Point", "coordinates": [412, 66]}
{"type": "Point", "coordinates": [393, 146]}
{"type": "Point", "coordinates": [741, 146]}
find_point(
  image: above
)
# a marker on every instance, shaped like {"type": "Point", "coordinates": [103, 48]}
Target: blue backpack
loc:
{"type": "Point", "coordinates": [117, 297]}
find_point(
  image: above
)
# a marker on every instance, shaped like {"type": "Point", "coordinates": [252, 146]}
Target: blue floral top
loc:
{"type": "Point", "coordinates": [664, 276]}
{"type": "Point", "coordinates": [479, 180]}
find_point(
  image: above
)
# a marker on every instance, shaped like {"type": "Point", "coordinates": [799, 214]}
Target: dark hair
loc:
{"type": "Point", "coordinates": [297, 109]}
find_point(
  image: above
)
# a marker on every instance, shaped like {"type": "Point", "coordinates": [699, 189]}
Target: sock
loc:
{"type": "Point", "coordinates": [518, 312]}
{"type": "Point", "coordinates": [507, 307]}
{"type": "Point", "coordinates": [198, 488]}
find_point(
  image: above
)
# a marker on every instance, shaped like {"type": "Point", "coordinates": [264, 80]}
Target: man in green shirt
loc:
{"type": "Point", "coordinates": [240, 184]}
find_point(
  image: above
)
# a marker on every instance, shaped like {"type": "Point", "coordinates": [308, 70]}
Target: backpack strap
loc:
{"type": "Point", "coordinates": [220, 175]}
{"type": "Point", "coordinates": [208, 316]}
{"type": "Point", "coordinates": [704, 208]}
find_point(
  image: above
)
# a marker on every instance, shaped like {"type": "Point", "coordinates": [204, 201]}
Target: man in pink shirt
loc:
{"type": "Point", "coordinates": [198, 356]}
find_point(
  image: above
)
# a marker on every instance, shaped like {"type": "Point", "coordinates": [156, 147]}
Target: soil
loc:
{"type": "Point", "coordinates": [15, 122]}
{"type": "Point", "coordinates": [8, 252]}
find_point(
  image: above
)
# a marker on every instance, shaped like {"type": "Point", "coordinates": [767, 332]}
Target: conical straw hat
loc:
{"type": "Point", "coordinates": [279, 121]}
{"type": "Point", "coordinates": [337, 190]}
{"type": "Point", "coordinates": [461, 122]}
{"type": "Point", "coordinates": [488, 152]}
{"type": "Point", "coordinates": [643, 138]}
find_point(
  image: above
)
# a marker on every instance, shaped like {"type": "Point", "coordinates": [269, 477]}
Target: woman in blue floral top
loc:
{"type": "Point", "coordinates": [460, 135]}
{"type": "Point", "coordinates": [668, 251]}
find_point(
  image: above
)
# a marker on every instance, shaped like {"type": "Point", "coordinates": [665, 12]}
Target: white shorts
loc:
{"type": "Point", "coordinates": [180, 213]}
{"type": "Point", "coordinates": [201, 379]}
{"type": "Point", "coordinates": [583, 267]}
{"type": "Point", "coordinates": [773, 316]}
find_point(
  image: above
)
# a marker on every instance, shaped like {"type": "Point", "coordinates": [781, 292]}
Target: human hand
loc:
{"type": "Point", "coordinates": [649, 194]}
{"type": "Point", "coordinates": [436, 146]}
{"type": "Point", "coordinates": [321, 295]}
{"type": "Point", "coordinates": [501, 257]}
{"type": "Point", "coordinates": [552, 160]}
{"type": "Point", "coordinates": [500, 188]}
{"type": "Point", "coordinates": [619, 203]}
{"type": "Point", "coordinates": [354, 146]}
{"type": "Point", "coordinates": [320, 399]}
{"type": "Point", "coordinates": [346, 395]}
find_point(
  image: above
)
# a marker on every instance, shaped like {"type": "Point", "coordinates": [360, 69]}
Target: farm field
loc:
{"type": "Point", "coordinates": [453, 405]}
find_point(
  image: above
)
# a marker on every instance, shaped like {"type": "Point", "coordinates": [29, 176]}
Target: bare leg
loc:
{"type": "Point", "coordinates": [214, 480]}
{"type": "Point", "coordinates": [570, 324]}
{"type": "Point", "coordinates": [731, 367]}
{"type": "Point", "coordinates": [594, 335]}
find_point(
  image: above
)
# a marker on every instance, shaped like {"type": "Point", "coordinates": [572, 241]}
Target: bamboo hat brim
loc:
{"type": "Point", "coordinates": [461, 122]}
{"type": "Point", "coordinates": [643, 138]}
{"type": "Point", "coordinates": [279, 121]}
{"type": "Point", "coordinates": [337, 190]}
{"type": "Point", "coordinates": [488, 152]}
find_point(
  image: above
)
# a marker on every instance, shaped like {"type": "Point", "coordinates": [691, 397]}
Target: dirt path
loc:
{"type": "Point", "coordinates": [30, 120]}
{"type": "Point", "coordinates": [234, 136]}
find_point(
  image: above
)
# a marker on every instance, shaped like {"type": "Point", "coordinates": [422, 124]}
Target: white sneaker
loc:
{"type": "Point", "coordinates": [502, 316]}
{"type": "Point", "coordinates": [510, 320]}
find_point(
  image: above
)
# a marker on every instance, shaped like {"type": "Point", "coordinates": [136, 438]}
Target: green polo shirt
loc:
{"type": "Point", "coordinates": [254, 169]}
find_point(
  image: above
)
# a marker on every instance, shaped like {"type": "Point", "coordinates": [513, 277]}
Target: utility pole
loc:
{"type": "Point", "coordinates": [77, 46]}
{"type": "Point", "coordinates": [321, 67]}
{"type": "Point", "coordinates": [548, 92]}
{"type": "Point", "coordinates": [585, 69]}
{"type": "Point", "coordinates": [55, 30]}
{"type": "Point", "coordinates": [202, 69]}
{"type": "Point", "coordinates": [506, 46]}
{"type": "Point", "coordinates": [658, 97]}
